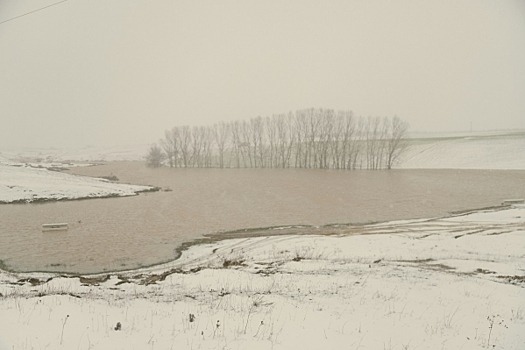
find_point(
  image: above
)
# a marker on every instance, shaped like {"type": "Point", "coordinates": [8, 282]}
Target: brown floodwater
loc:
{"type": "Point", "coordinates": [123, 233]}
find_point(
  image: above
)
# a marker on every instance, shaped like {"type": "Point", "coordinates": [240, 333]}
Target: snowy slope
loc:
{"type": "Point", "coordinates": [25, 183]}
{"type": "Point", "coordinates": [492, 151]}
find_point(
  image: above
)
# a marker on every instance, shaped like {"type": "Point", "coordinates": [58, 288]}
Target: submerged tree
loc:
{"type": "Point", "coordinates": [310, 138]}
{"type": "Point", "coordinates": [397, 142]}
{"type": "Point", "coordinates": [170, 146]}
{"type": "Point", "coordinates": [155, 157]}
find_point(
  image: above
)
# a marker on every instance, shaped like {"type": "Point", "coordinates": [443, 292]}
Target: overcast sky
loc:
{"type": "Point", "coordinates": [111, 72]}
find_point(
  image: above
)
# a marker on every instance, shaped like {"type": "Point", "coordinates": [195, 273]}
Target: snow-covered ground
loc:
{"type": "Point", "coordinates": [23, 183]}
{"type": "Point", "coordinates": [466, 151]}
{"type": "Point", "coordinates": [449, 283]}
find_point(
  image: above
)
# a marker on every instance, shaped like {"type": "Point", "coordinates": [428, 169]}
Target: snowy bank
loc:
{"type": "Point", "coordinates": [22, 183]}
{"type": "Point", "coordinates": [447, 283]}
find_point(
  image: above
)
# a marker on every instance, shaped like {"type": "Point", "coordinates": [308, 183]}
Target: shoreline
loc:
{"type": "Point", "coordinates": [332, 229]}
{"type": "Point", "coordinates": [66, 199]}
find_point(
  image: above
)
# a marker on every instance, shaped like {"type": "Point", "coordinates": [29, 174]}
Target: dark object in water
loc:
{"type": "Point", "coordinates": [55, 227]}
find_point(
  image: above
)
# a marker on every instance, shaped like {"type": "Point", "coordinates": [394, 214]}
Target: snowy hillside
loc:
{"type": "Point", "coordinates": [481, 151]}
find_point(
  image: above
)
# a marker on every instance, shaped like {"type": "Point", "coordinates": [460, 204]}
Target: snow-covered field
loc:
{"type": "Point", "coordinates": [449, 283]}
{"type": "Point", "coordinates": [23, 183]}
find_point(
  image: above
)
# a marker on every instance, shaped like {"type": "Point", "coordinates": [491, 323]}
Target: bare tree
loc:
{"type": "Point", "coordinates": [271, 132]}
{"type": "Point", "coordinates": [236, 142]}
{"type": "Point", "coordinates": [336, 145]}
{"type": "Point", "coordinates": [207, 146]}
{"type": "Point", "coordinates": [169, 145]}
{"type": "Point", "coordinates": [222, 135]}
{"type": "Point", "coordinates": [310, 138]}
{"type": "Point", "coordinates": [372, 127]}
{"type": "Point", "coordinates": [258, 139]}
{"type": "Point", "coordinates": [285, 139]}
{"type": "Point", "coordinates": [184, 145]}
{"type": "Point", "coordinates": [397, 142]}
{"type": "Point", "coordinates": [347, 135]}
{"type": "Point", "coordinates": [326, 133]}
{"type": "Point", "coordinates": [312, 129]}
{"type": "Point", "coordinates": [300, 137]}
{"type": "Point", "coordinates": [197, 146]}
{"type": "Point", "coordinates": [381, 138]}
{"type": "Point", "coordinates": [246, 144]}
{"type": "Point", "coordinates": [358, 146]}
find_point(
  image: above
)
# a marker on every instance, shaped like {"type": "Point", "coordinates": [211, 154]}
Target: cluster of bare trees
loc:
{"type": "Point", "coordinates": [311, 138]}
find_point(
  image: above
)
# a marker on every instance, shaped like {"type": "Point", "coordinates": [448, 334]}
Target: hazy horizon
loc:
{"type": "Point", "coordinates": [84, 73]}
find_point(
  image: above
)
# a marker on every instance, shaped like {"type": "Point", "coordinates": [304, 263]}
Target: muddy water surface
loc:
{"type": "Point", "coordinates": [123, 233]}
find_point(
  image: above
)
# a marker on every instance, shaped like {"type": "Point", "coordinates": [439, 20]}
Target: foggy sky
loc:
{"type": "Point", "coordinates": [122, 71]}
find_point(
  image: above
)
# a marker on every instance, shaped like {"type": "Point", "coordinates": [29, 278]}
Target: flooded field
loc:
{"type": "Point", "coordinates": [124, 233]}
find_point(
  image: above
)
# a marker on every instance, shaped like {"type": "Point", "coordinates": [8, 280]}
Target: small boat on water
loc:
{"type": "Point", "coordinates": [55, 227]}
{"type": "Point", "coordinates": [513, 201]}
